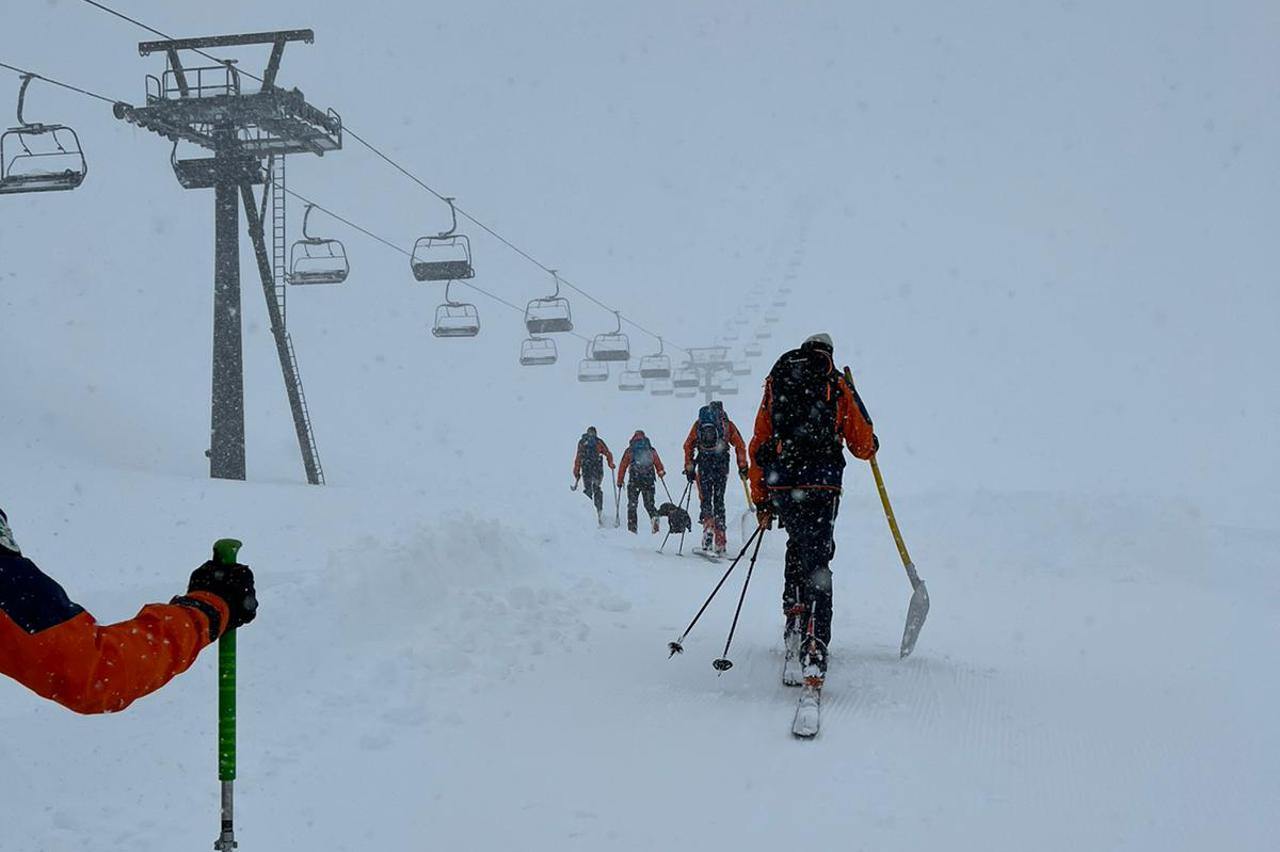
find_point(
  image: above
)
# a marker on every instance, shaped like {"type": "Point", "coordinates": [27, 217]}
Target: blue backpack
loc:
{"type": "Point", "coordinates": [711, 431]}
{"type": "Point", "coordinates": [641, 453]}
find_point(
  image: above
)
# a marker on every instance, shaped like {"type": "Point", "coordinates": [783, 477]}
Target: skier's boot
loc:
{"type": "Point", "coordinates": [708, 537]}
{"type": "Point", "coordinates": [814, 662]}
{"type": "Point", "coordinates": [721, 541]}
{"type": "Point", "coordinates": [600, 517]}
{"type": "Point", "coordinates": [792, 640]}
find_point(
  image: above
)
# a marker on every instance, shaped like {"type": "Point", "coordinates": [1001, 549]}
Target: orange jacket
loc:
{"type": "Point", "coordinates": [577, 457]}
{"type": "Point", "coordinates": [851, 423]}
{"type": "Point", "coordinates": [57, 650]}
{"type": "Point", "coordinates": [626, 460]}
{"type": "Point", "coordinates": [730, 432]}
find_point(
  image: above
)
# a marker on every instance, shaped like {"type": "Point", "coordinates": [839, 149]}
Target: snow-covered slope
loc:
{"type": "Point", "coordinates": [1055, 314]}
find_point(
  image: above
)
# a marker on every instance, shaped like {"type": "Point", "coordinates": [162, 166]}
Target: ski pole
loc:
{"type": "Point", "coordinates": [617, 506]}
{"type": "Point", "coordinates": [225, 552]}
{"type": "Point", "coordinates": [677, 647]}
{"type": "Point", "coordinates": [663, 480]}
{"type": "Point", "coordinates": [723, 664]}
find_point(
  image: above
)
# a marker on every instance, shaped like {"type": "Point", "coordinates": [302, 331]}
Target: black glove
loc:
{"type": "Point", "coordinates": [742, 473]}
{"type": "Point", "coordinates": [689, 474]}
{"type": "Point", "coordinates": [232, 583]}
{"type": "Point", "coordinates": [875, 443]}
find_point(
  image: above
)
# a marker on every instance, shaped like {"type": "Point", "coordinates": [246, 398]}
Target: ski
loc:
{"type": "Point", "coordinates": [709, 555]}
{"type": "Point", "coordinates": [808, 713]}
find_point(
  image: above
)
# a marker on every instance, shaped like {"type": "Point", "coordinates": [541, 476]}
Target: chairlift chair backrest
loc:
{"type": "Point", "coordinates": [549, 314]}
{"type": "Point", "coordinates": [456, 319]}
{"type": "Point", "coordinates": [630, 380]}
{"type": "Point", "coordinates": [657, 366]}
{"type": "Point", "coordinates": [591, 370]}
{"type": "Point", "coordinates": [39, 157]}
{"type": "Point", "coordinates": [686, 377]}
{"type": "Point", "coordinates": [313, 260]}
{"type": "Point", "coordinates": [444, 257]}
{"type": "Point", "coordinates": [613, 346]}
{"type": "Point", "coordinates": [662, 387]}
{"type": "Point", "coordinates": [538, 352]}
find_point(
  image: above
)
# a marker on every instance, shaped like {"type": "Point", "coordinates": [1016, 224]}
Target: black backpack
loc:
{"type": "Point", "coordinates": [641, 453]}
{"type": "Point", "coordinates": [711, 431]}
{"type": "Point", "coordinates": [806, 393]}
{"type": "Point", "coordinates": [589, 451]}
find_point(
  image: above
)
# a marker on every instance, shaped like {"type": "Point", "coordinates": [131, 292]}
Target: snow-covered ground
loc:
{"type": "Point", "coordinates": [1052, 276]}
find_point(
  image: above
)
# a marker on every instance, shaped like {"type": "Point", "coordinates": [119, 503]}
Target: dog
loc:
{"type": "Point", "coordinates": [678, 520]}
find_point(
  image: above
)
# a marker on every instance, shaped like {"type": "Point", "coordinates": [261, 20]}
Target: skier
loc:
{"type": "Point", "coordinates": [588, 467]}
{"type": "Point", "coordinates": [646, 467]}
{"type": "Point", "coordinates": [808, 413]}
{"type": "Point", "coordinates": [710, 436]}
{"type": "Point", "coordinates": [57, 650]}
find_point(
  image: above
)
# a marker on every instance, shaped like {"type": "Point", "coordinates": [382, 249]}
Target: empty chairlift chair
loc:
{"type": "Point", "coordinates": [456, 319]}
{"type": "Point", "coordinates": [630, 380]}
{"type": "Point", "coordinates": [313, 260]}
{"type": "Point", "coordinates": [662, 387]}
{"type": "Point", "coordinates": [550, 314]}
{"type": "Point", "coordinates": [686, 378]}
{"type": "Point", "coordinates": [39, 157]}
{"type": "Point", "coordinates": [772, 317]}
{"type": "Point", "coordinates": [614, 346]}
{"type": "Point", "coordinates": [656, 366]}
{"type": "Point", "coordinates": [591, 370]}
{"type": "Point", "coordinates": [763, 334]}
{"type": "Point", "coordinates": [686, 393]}
{"type": "Point", "coordinates": [725, 386]}
{"type": "Point", "coordinates": [538, 352]}
{"type": "Point", "coordinates": [444, 257]}
{"type": "Point", "coordinates": [753, 350]}
{"type": "Point", "coordinates": [741, 368]}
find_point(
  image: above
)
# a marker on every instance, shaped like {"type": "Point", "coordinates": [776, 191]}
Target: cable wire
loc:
{"type": "Point", "coordinates": [415, 179]}
{"type": "Point", "coordinates": [59, 83]}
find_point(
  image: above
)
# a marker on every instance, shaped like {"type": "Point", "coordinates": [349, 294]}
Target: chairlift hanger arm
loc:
{"type": "Point", "coordinates": [22, 97]}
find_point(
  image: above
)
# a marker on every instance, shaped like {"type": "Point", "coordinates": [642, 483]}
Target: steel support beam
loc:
{"type": "Point", "coordinates": [226, 432]}
{"type": "Point", "coordinates": [292, 382]}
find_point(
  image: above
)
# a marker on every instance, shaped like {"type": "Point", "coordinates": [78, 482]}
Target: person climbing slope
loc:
{"type": "Point", "coordinates": [642, 460]}
{"type": "Point", "coordinates": [706, 461]}
{"type": "Point", "coordinates": [588, 466]}
{"type": "Point", "coordinates": [808, 414]}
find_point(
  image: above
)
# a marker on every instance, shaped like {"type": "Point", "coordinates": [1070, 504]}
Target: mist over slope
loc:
{"type": "Point", "coordinates": [1041, 239]}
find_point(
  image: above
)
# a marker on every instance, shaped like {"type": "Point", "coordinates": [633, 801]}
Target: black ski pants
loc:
{"type": "Point", "coordinates": [713, 474]}
{"type": "Point", "coordinates": [640, 485]}
{"type": "Point", "coordinates": [809, 517]}
{"type": "Point", "coordinates": [591, 487]}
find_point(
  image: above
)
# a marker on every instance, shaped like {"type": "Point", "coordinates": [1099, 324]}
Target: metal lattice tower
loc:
{"type": "Point", "coordinates": [207, 106]}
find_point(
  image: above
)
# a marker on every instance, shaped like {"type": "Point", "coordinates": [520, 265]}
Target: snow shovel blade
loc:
{"type": "Point", "coordinates": [917, 611]}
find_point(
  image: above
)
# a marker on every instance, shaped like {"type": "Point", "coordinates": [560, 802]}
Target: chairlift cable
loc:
{"type": "Point", "coordinates": [408, 174]}
{"type": "Point", "coordinates": [76, 89]}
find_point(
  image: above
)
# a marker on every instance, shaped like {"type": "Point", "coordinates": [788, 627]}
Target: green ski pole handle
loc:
{"type": "Point", "coordinates": [225, 552]}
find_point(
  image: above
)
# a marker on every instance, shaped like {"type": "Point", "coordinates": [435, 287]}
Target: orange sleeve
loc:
{"type": "Point", "coordinates": [689, 443]}
{"type": "Point", "coordinates": [855, 425]}
{"type": "Point", "coordinates": [93, 669]}
{"type": "Point", "coordinates": [763, 434]}
{"type": "Point", "coordinates": [604, 448]}
{"type": "Point", "coordinates": [735, 439]}
{"type": "Point", "coordinates": [577, 462]}
{"type": "Point", "coordinates": [623, 465]}
{"type": "Point", "coordinates": [657, 464]}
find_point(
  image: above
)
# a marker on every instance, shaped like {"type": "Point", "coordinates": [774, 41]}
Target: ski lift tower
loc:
{"type": "Point", "coordinates": [208, 107]}
{"type": "Point", "coordinates": [709, 360]}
